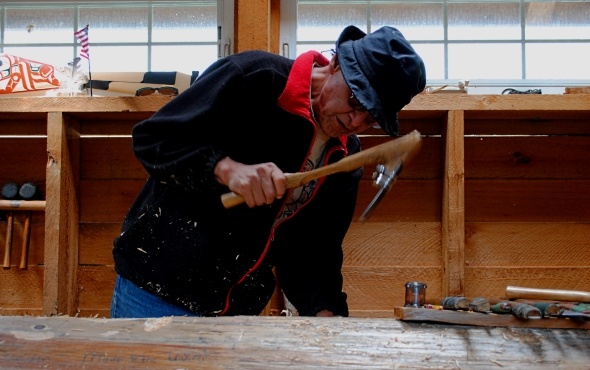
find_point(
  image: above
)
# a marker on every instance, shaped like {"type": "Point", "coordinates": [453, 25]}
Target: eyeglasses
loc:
{"type": "Point", "coordinates": [164, 90]}
{"type": "Point", "coordinates": [357, 106]}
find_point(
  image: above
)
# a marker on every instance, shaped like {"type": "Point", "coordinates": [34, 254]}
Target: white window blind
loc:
{"type": "Point", "coordinates": [125, 36]}
{"type": "Point", "coordinates": [490, 43]}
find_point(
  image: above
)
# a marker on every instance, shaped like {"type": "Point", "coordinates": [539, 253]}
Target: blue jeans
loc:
{"type": "Point", "coordinates": [130, 301]}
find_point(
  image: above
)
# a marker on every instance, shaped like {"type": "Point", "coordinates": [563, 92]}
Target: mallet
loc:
{"type": "Point", "coordinates": [9, 192]}
{"type": "Point", "coordinates": [28, 191]}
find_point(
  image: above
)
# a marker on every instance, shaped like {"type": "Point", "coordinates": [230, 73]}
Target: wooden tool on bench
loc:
{"type": "Point", "coordinates": [389, 156]}
{"type": "Point", "coordinates": [520, 310]}
{"type": "Point", "coordinates": [514, 292]}
{"type": "Point", "coordinates": [9, 192]}
{"type": "Point", "coordinates": [28, 191]}
{"type": "Point", "coordinates": [553, 307]}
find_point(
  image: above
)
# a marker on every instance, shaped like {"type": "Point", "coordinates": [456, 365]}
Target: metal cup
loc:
{"type": "Point", "coordinates": [415, 294]}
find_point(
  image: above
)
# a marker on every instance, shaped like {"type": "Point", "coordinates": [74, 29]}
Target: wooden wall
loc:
{"type": "Point", "coordinates": [497, 196]}
{"type": "Point", "coordinates": [22, 159]}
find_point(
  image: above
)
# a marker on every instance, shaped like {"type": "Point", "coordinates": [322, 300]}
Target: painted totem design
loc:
{"type": "Point", "coordinates": [19, 74]}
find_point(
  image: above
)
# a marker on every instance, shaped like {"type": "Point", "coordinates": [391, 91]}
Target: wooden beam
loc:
{"type": "Point", "coordinates": [275, 26]}
{"type": "Point", "coordinates": [23, 106]}
{"type": "Point", "coordinates": [453, 207]}
{"type": "Point", "coordinates": [252, 25]}
{"type": "Point", "coordinates": [274, 342]}
{"type": "Point", "coordinates": [61, 215]}
{"type": "Point", "coordinates": [499, 107]}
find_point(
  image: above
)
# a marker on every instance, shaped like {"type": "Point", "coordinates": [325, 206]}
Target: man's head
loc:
{"type": "Point", "coordinates": [382, 70]}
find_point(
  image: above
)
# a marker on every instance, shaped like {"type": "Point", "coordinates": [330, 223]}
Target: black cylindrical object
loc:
{"type": "Point", "coordinates": [28, 191]}
{"type": "Point", "coordinates": [10, 191]}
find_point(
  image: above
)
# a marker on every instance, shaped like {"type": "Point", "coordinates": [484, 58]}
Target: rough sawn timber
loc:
{"type": "Point", "coordinates": [276, 342]}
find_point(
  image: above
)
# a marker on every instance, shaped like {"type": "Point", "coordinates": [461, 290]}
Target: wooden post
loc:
{"type": "Point", "coordinates": [61, 216]}
{"type": "Point", "coordinates": [252, 25]}
{"type": "Point", "coordinates": [453, 207]}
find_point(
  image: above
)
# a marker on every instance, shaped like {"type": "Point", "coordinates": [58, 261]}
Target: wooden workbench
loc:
{"type": "Point", "coordinates": [277, 342]}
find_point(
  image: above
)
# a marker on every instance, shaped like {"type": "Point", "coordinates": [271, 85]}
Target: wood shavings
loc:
{"type": "Point", "coordinates": [29, 335]}
{"type": "Point", "coordinates": [157, 323]}
{"type": "Point", "coordinates": [110, 333]}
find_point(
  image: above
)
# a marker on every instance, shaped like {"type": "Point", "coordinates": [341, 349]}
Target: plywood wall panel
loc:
{"type": "Point", "coordinates": [538, 200]}
{"type": "Point", "coordinates": [23, 160]}
{"type": "Point", "coordinates": [21, 289]}
{"type": "Point", "coordinates": [95, 290]}
{"type": "Point", "coordinates": [382, 288]}
{"type": "Point", "coordinates": [96, 243]}
{"type": "Point", "coordinates": [111, 123]}
{"type": "Point", "coordinates": [393, 244]}
{"type": "Point", "coordinates": [491, 282]}
{"type": "Point", "coordinates": [107, 200]}
{"type": "Point", "coordinates": [34, 123]}
{"type": "Point", "coordinates": [572, 124]}
{"type": "Point", "coordinates": [426, 164]}
{"type": "Point", "coordinates": [524, 244]}
{"type": "Point", "coordinates": [406, 201]}
{"type": "Point", "coordinates": [110, 158]}
{"type": "Point", "coordinates": [527, 157]}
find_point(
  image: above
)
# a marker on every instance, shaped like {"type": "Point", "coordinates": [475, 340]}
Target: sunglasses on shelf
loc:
{"type": "Point", "coordinates": [164, 90]}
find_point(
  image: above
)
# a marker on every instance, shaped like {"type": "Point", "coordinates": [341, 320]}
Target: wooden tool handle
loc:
{"type": "Point", "coordinates": [513, 292]}
{"type": "Point", "coordinates": [8, 250]}
{"type": "Point", "coordinates": [24, 257]}
{"type": "Point", "coordinates": [22, 205]}
{"type": "Point", "coordinates": [401, 148]}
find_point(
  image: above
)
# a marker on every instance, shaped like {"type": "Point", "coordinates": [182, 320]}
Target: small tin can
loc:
{"type": "Point", "coordinates": [415, 294]}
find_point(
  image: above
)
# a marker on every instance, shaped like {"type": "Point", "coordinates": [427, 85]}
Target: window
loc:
{"type": "Point", "coordinates": [500, 42]}
{"type": "Point", "coordinates": [125, 36]}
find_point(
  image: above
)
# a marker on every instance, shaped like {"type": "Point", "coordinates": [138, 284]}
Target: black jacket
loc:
{"type": "Point", "coordinates": [178, 240]}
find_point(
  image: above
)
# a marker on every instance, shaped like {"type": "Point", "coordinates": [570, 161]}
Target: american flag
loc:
{"type": "Point", "coordinates": [82, 36]}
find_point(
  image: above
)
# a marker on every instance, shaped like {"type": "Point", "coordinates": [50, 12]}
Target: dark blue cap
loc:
{"type": "Point", "coordinates": [383, 71]}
